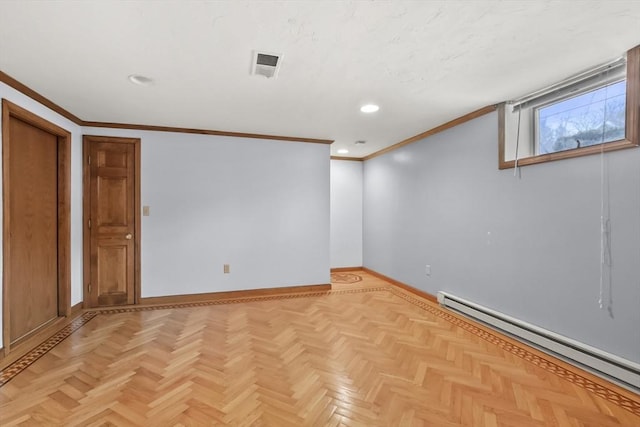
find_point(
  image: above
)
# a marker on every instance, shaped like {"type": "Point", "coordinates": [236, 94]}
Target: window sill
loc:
{"type": "Point", "coordinates": [567, 154]}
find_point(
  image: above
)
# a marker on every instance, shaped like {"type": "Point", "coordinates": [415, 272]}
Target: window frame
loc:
{"type": "Point", "coordinates": [632, 124]}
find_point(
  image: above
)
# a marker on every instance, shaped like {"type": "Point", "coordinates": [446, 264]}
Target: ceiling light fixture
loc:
{"type": "Point", "coordinates": [137, 79]}
{"type": "Point", "coordinates": [369, 108]}
{"type": "Point", "coordinates": [343, 151]}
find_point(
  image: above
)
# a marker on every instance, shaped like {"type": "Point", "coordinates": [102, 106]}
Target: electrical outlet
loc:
{"type": "Point", "coordinates": [145, 211]}
{"type": "Point", "coordinates": [226, 269]}
{"type": "Point", "coordinates": [427, 270]}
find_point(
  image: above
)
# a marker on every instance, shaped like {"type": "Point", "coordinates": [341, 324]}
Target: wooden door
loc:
{"type": "Point", "coordinates": [36, 223]}
{"type": "Point", "coordinates": [113, 212]}
{"type": "Point", "coordinates": [33, 200]}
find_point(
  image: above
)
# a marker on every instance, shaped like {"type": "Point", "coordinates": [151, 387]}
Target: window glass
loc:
{"type": "Point", "coordinates": [591, 118]}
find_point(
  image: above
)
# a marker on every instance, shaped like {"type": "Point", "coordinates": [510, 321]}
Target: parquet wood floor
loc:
{"type": "Point", "coordinates": [364, 354]}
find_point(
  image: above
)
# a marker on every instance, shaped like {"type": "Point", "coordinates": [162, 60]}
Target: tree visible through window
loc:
{"type": "Point", "coordinates": [592, 118]}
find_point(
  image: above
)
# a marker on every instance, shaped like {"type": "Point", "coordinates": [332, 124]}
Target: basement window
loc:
{"type": "Point", "coordinates": [592, 118]}
{"type": "Point", "coordinates": [588, 113]}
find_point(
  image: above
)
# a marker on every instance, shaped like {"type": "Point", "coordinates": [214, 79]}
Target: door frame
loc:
{"type": "Point", "coordinates": [9, 111]}
{"type": "Point", "coordinates": [86, 211]}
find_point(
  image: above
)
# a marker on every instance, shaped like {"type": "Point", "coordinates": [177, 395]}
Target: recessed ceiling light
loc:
{"type": "Point", "coordinates": [369, 108]}
{"type": "Point", "coordinates": [140, 80]}
{"type": "Point", "coordinates": [343, 151]}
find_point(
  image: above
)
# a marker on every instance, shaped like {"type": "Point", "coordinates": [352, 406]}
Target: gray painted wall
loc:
{"type": "Point", "coordinates": [346, 213]}
{"type": "Point", "coordinates": [528, 247]}
{"type": "Point", "coordinates": [261, 206]}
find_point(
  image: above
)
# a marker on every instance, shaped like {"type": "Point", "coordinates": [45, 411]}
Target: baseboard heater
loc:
{"type": "Point", "coordinates": [612, 367]}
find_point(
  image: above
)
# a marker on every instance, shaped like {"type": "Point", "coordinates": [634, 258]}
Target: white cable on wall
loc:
{"type": "Point", "coordinates": [515, 167]}
{"type": "Point", "coordinates": [605, 248]}
{"type": "Point", "coordinates": [602, 225]}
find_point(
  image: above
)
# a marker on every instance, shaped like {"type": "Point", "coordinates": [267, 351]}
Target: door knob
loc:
{"type": "Point", "coordinates": [128, 236]}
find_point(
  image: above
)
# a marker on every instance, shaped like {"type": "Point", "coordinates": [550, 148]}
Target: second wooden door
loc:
{"type": "Point", "coordinates": [112, 223]}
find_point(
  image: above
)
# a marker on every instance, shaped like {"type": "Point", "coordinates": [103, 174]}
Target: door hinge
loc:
{"type": "Point", "coordinates": [89, 223]}
{"type": "Point", "coordinates": [89, 287]}
{"type": "Point", "coordinates": [89, 159]}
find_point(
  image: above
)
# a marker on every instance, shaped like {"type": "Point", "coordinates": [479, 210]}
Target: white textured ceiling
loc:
{"type": "Point", "coordinates": [423, 62]}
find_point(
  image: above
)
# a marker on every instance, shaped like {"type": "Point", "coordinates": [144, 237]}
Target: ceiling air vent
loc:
{"type": "Point", "coordinates": [266, 64]}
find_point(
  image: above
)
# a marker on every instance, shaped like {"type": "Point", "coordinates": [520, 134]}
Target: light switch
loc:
{"type": "Point", "coordinates": [145, 211]}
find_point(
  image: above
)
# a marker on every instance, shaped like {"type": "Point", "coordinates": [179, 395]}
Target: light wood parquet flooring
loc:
{"type": "Point", "coordinates": [364, 354]}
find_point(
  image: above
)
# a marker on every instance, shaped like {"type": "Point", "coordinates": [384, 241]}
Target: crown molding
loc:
{"type": "Point", "coordinates": [24, 89]}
